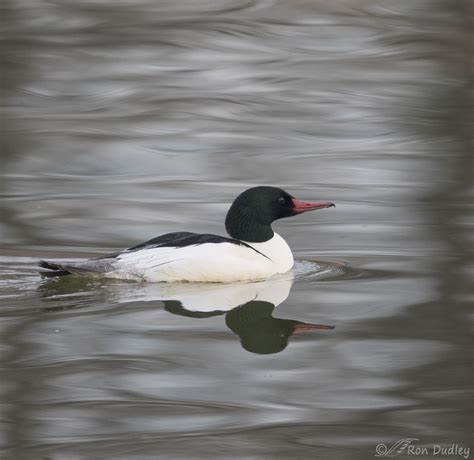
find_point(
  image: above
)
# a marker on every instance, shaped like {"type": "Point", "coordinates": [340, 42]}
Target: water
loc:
{"type": "Point", "coordinates": [124, 120]}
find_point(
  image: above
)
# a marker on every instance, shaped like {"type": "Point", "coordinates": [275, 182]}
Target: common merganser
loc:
{"type": "Point", "coordinates": [253, 251]}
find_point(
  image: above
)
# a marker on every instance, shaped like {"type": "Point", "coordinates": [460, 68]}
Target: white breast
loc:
{"type": "Point", "coordinates": [278, 251]}
{"type": "Point", "coordinates": [209, 262]}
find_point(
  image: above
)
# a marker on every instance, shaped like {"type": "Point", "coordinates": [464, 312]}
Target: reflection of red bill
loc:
{"type": "Point", "coordinates": [307, 327]}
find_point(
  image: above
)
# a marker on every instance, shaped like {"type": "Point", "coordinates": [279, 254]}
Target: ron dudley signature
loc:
{"type": "Point", "coordinates": [408, 446]}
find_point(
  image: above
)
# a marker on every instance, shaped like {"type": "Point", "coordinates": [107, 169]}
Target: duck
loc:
{"type": "Point", "coordinates": [252, 251]}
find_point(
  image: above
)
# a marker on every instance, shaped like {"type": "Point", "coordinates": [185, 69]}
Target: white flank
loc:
{"type": "Point", "coordinates": [209, 262]}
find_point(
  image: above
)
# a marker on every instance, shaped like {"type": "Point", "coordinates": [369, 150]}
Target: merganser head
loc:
{"type": "Point", "coordinates": [253, 211]}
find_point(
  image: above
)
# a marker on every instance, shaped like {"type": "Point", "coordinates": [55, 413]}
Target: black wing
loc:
{"type": "Point", "coordinates": [180, 240]}
{"type": "Point", "coordinates": [175, 240]}
{"type": "Point", "coordinates": [168, 239]}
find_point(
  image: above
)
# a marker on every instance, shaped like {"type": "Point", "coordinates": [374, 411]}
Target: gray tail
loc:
{"type": "Point", "coordinates": [56, 269]}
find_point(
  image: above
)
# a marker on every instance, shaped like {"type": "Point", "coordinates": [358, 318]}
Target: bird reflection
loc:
{"type": "Point", "coordinates": [260, 332]}
{"type": "Point", "coordinates": [248, 307]}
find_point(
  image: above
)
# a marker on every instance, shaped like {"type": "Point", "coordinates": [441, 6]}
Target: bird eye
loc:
{"type": "Point", "coordinates": [282, 200]}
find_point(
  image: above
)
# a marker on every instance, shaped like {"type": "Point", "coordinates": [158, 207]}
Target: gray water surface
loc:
{"type": "Point", "coordinates": [124, 120]}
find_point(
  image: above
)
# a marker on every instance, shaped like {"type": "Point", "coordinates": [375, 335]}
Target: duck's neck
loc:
{"type": "Point", "coordinates": [242, 225]}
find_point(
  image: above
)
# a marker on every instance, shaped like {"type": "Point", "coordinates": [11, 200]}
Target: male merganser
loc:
{"type": "Point", "coordinates": [253, 251]}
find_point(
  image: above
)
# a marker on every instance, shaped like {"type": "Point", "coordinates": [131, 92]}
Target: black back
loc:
{"type": "Point", "coordinates": [180, 240]}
